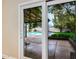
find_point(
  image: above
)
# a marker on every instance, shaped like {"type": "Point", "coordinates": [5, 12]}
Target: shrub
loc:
{"type": "Point", "coordinates": [61, 35]}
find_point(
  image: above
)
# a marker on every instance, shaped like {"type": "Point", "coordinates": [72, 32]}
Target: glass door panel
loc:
{"type": "Point", "coordinates": [33, 32]}
{"type": "Point", "coordinates": [62, 26]}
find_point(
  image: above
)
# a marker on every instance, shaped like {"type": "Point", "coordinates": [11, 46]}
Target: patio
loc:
{"type": "Point", "coordinates": [58, 49]}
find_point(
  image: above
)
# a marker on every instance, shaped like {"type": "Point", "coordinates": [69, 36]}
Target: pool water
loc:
{"type": "Point", "coordinates": [38, 33]}
{"type": "Point", "coordinates": [34, 33]}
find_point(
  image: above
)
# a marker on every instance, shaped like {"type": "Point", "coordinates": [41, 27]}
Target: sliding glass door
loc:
{"type": "Point", "coordinates": [48, 28]}
{"type": "Point", "coordinates": [62, 29]}
{"type": "Point", "coordinates": [33, 32]}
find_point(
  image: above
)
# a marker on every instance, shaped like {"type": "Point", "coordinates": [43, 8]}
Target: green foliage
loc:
{"type": "Point", "coordinates": [33, 17]}
{"type": "Point", "coordinates": [64, 16]}
{"type": "Point", "coordinates": [62, 35]}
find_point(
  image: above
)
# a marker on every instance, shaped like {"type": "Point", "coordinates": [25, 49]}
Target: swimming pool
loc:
{"type": "Point", "coordinates": [38, 33]}
{"type": "Point", "coordinates": [34, 33]}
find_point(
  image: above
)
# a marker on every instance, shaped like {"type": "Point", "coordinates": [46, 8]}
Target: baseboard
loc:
{"type": "Point", "coordinates": [4, 56]}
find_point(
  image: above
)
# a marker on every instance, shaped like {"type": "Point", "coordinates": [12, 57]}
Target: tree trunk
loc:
{"type": "Point", "coordinates": [61, 29]}
{"type": "Point", "coordinates": [29, 27]}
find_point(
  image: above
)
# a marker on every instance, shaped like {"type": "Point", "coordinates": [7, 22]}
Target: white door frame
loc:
{"type": "Point", "coordinates": [30, 4]}
{"type": "Point", "coordinates": [58, 2]}
{"type": "Point", "coordinates": [26, 5]}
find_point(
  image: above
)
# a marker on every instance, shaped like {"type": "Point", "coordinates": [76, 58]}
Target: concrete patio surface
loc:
{"type": "Point", "coordinates": [58, 49]}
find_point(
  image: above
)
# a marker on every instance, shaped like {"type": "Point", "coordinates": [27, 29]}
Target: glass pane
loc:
{"type": "Point", "coordinates": [62, 29]}
{"type": "Point", "coordinates": [33, 32]}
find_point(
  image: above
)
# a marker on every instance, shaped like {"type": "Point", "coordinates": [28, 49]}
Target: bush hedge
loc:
{"type": "Point", "coordinates": [62, 35]}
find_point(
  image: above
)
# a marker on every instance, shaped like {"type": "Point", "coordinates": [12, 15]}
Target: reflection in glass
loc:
{"type": "Point", "coordinates": [32, 33]}
{"type": "Point", "coordinates": [62, 23]}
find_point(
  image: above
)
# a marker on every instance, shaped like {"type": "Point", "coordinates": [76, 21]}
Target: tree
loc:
{"type": "Point", "coordinates": [64, 16]}
{"type": "Point", "coordinates": [32, 16]}
{"type": "Point", "coordinates": [58, 20]}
